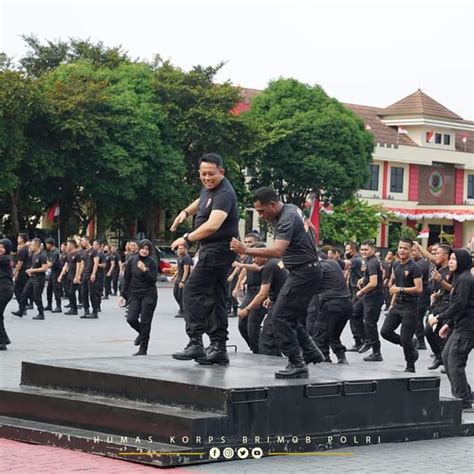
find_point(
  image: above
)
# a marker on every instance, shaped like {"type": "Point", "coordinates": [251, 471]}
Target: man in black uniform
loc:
{"type": "Point", "coordinates": [460, 318]}
{"type": "Point", "coordinates": [252, 312]}
{"type": "Point", "coordinates": [404, 312]}
{"type": "Point", "coordinates": [6, 287]}
{"type": "Point", "coordinates": [424, 301]}
{"type": "Point", "coordinates": [441, 280]}
{"type": "Point", "coordinates": [54, 286]}
{"type": "Point", "coordinates": [35, 285]}
{"type": "Point", "coordinates": [370, 301]}
{"type": "Point", "coordinates": [115, 269]}
{"type": "Point", "coordinates": [72, 270]}
{"type": "Point", "coordinates": [335, 311]}
{"type": "Point", "coordinates": [87, 265]}
{"type": "Point", "coordinates": [139, 289]}
{"type": "Point", "coordinates": [355, 274]}
{"type": "Point", "coordinates": [185, 262]}
{"type": "Point", "coordinates": [23, 255]}
{"type": "Point", "coordinates": [109, 268]}
{"type": "Point", "coordinates": [96, 281]}
{"type": "Point", "coordinates": [295, 244]}
{"type": "Point", "coordinates": [204, 296]}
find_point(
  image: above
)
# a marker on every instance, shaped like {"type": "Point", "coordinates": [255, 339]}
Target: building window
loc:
{"type": "Point", "coordinates": [373, 182]}
{"type": "Point", "coordinates": [438, 138]}
{"type": "Point", "coordinates": [470, 186]}
{"type": "Point", "coordinates": [447, 139]}
{"type": "Point", "coordinates": [396, 180]}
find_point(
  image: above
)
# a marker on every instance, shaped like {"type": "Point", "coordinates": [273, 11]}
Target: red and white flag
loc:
{"type": "Point", "coordinates": [54, 211]}
{"type": "Point", "coordinates": [464, 139]}
{"type": "Point", "coordinates": [430, 136]}
{"type": "Point", "coordinates": [402, 131]}
{"type": "Point", "coordinates": [424, 234]}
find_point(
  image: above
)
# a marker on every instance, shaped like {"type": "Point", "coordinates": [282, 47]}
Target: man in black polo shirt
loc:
{"type": "Point", "coordinates": [54, 286]}
{"type": "Point", "coordinates": [37, 277]}
{"type": "Point", "coordinates": [295, 244]}
{"type": "Point", "coordinates": [87, 265]}
{"type": "Point", "coordinates": [335, 310]}
{"type": "Point", "coordinates": [72, 269]}
{"type": "Point", "coordinates": [23, 256]}
{"type": "Point", "coordinates": [408, 286]}
{"type": "Point", "coordinates": [204, 296]}
{"type": "Point", "coordinates": [368, 307]}
{"type": "Point", "coordinates": [424, 301]}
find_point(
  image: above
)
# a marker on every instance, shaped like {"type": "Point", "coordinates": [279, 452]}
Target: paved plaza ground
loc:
{"type": "Point", "coordinates": [61, 337]}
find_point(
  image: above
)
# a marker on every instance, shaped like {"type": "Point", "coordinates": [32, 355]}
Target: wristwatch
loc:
{"type": "Point", "coordinates": [402, 290]}
{"type": "Point", "coordinates": [185, 237]}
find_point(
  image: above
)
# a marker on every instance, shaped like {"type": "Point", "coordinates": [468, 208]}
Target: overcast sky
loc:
{"type": "Point", "coordinates": [370, 53]}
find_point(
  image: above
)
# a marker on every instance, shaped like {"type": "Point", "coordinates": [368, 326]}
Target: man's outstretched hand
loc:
{"type": "Point", "coordinates": [237, 246]}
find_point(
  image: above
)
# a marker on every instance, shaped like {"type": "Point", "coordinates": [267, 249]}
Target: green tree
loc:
{"type": "Point", "coordinates": [353, 220]}
{"type": "Point", "coordinates": [306, 142]}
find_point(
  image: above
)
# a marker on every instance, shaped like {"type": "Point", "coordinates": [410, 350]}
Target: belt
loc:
{"type": "Point", "coordinates": [407, 299]}
{"type": "Point", "coordinates": [306, 265]}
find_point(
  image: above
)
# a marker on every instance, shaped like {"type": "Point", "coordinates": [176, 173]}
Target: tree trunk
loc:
{"type": "Point", "coordinates": [14, 211]}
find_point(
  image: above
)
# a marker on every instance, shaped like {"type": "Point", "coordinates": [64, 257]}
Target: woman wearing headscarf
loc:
{"type": "Point", "coordinates": [459, 317]}
{"type": "Point", "coordinates": [6, 287]}
{"type": "Point", "coordinates": [139, 289]}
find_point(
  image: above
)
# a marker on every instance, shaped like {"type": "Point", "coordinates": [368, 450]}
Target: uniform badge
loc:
{"type": "Point", "coordinates": [406, 272]}
{"type": "Point", "coordinates": [281, 265]}
{"type": "Point", "coordinates": [208, 203]}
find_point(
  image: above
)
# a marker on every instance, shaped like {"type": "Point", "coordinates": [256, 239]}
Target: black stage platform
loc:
{"type": "Point", "coordinates": [160, 411]}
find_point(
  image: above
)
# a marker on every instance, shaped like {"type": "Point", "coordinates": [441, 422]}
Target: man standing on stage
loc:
{"type": "Point", "coordinates": [295, 244]}
{"type": "Point", "coordinates": [204, 295]}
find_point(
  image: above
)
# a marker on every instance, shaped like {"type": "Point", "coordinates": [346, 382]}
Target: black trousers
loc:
{"type": "Point", "coordinates": [232, 304]}
{"type": "Point", "coordinates": [115, 279]}
{"type": "Point", "coordinates": [365, 317]}
{"type": "Point", "coordinates": [455, 355]}
{"type": "Point", "coordinates": [73, 288]}
{"type": "Point", "coordinates": [432, 336]}
{"type": "Point", "coordinates": [33, 289]}
{"type": "Point", "coordinates": [20, 282]}
{"type": "Point", "coordinates": [204, 296]}
{"type": "Point", "coordinates": [178, 295]}
{"type": "Point", "coordinates": [357, 321]}
{"type": "Point", "coordinates": [54, 287]}
{"type": "Point", "coordinates": [6, 294]}
{"type": "Point", "coordinates": [95, 293]}
{"type": "Point", "coordinates": [423, 305]}
{"type": "Point", "coordinates": [328, 327]}
{"type": "Point", "coordinates": [85, 300]}
{"type": "Point", "coordinates": [108, 285]}
{"type": "Point", "coordinates": [140, 315]}
{"type": "Point", "coordinates": [267, 343]}
{"type": "Point", "coordinates": [404, 314]}
{"type": "Point", "coordinates": [250, 326]}
{"type": "Point", "coordinates": [312, 314]}
{"type": "Point", "coordinates": [290, 309]}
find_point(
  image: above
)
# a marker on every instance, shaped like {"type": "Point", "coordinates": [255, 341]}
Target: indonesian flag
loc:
{"type": "Point", "coordinates": [54, 211]}
{"type": "Point", "coordinates": [464, 139]}
{"type": "Point", "coordinates": [424, 234]}
{"type": "Point", "coordinates": [402, 131]}
{"type": "Point", "coordinates": [430, 136]}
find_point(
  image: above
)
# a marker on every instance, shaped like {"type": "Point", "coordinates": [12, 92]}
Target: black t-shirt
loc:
{"type": "Point", "coordinates": [356, 272]}
{"type": "Point", "coordinates": [6, 272]}
{"type": "Point", "coordinates": [341, 263]}
{"type": "Point", "coordinates": [333, 284]}
{"type": "Point", "coordinates": [102, 260]}
{"type": "Point", "coordinates": [88, 257]}
{"type": "Point", "coordinates": [373, 267]}
{"type": "Point", "coordinates": [222, 198]}
{"type": "Point", "coordinates": [182, 261]}
{"type": "Point", "coordinates": [275, 273]}
{"type": "Point", "coordinates": [37, 261]}
{"type": "Point", "coordinates": [25, 257]}
{"type": "Point", "coordinates": [254, 279]}
{"type": "Point", "coordinates": [436, 285]}
{"type": "Point", "coordinates": [54, 257]}
{"type": "Point", "coordinates": [405, 275]}
{"type": "Point", "coordinates": [424, 267]}
{"type": "Point", "coordinates": [73, 259]}
{"type": "Point", "coordinates": [290, 226]}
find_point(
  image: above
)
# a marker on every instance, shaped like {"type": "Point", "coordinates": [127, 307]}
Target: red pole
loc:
{"type": "Point", "coordinates": [314, 217]}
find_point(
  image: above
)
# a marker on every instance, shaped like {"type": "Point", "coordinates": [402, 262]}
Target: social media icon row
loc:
{"type": "Point", "coordinates": [229, 453]}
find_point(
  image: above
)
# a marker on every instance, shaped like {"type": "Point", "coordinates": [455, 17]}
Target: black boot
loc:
{"type": "Point", "coordinates": [215, 354]}
{"type": "Point", "coordinates": [140, 352]}
{"type": "Point", "coordinates": [86, 314]}
{"type": "Point", "coordinates": [374, 357]}
{"type": "Point", "coordinates": [72, 312]}
{"type": "Point", "coordinates": [438, 362]}
{"type": "Point", "coordinates": [314, 357]}
{"type": "Point", "coordinates": [296, 369]}
{"type": "Point", "coordinates": [57, 309]}
{"type": "Point", "coordinates": [39, 316]}
{"type": "Point", "coordinates": [365, 347]}
{"type": "Point", "coordinates": [48, 307]}
{"type": "Point", "coordinates": [421, 344]}
{"type": "Point", "coordinates": [138, 340]}
{"type": "Point", "coordinates": [341, 358]}
{"type": "Point", "coordinates": [20, 313]}
{"type": "Point", "coordinates": [3, 347]}
{"type": "Point", "coordinates": [410, 368]}
{"type": "Point", "coordinates": [193, 350]}
{"type": "Point", "coordinates": [355, 348]}
{"type": "Point", "coordinates": [311, 352]}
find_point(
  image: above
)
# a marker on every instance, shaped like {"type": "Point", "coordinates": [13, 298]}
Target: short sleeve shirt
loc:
{"type": "Point", "coordinates": [405, 275]}
{"type": "Point", "coordinates": [275, 274]}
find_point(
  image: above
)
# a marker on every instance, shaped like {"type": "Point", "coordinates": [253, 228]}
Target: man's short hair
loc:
{"type": "Point", "coordinates": [50, 241]}
{"type": "Point", "coordinates": [37, 241]}
{"type": "Point", "coordinates": [369, 243]}
{"type": "Point", "coordinates": [86, 238]}
{"type": "Point", "coordinates": [72, 242]}
{"type": "Point", "coordinates": [445, 248]}
{"type": "Point", "coordinates": [265, 195]}
{"type": "Point", "coordinates": [353, 245]}
{"type": "Point", "coordinates": [406, 240]}
{"type": "Point", "coordinates": [253, 235]}
{"type": "Point", "coordinates": [23, 237]}
{"type": "Point", "coordinates": [213, 158]}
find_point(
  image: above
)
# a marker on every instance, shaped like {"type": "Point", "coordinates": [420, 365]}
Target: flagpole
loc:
{"type": "Point", "coordinates": [59, 227]}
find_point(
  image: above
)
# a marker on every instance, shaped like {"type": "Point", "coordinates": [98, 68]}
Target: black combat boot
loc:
{"type": "Point", "coordinates": [438, 362]}
{"type": "Point", "coordinates": [86, 314]}
{"type": "Point", "coordinates": [39, 316]}
{"type": "Point", "coordinates": [376, 356]}
{"type": "Point", "coordinates": [296, 369]}
{"type": "Point", "coordinates": [194, 350]}
{"type": "Point", "coordinates": [365, 347]}
{"type": "Point", "coordinates": [341, 358]}
{"type": "Point", "coordinates": [311, 352]}
{"type": "Point", "coordinates": [216, 353]}
{"type": "Point", "coordinates": [356, 347]}
{"type": "Point", "coordinates": [138, 340]}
